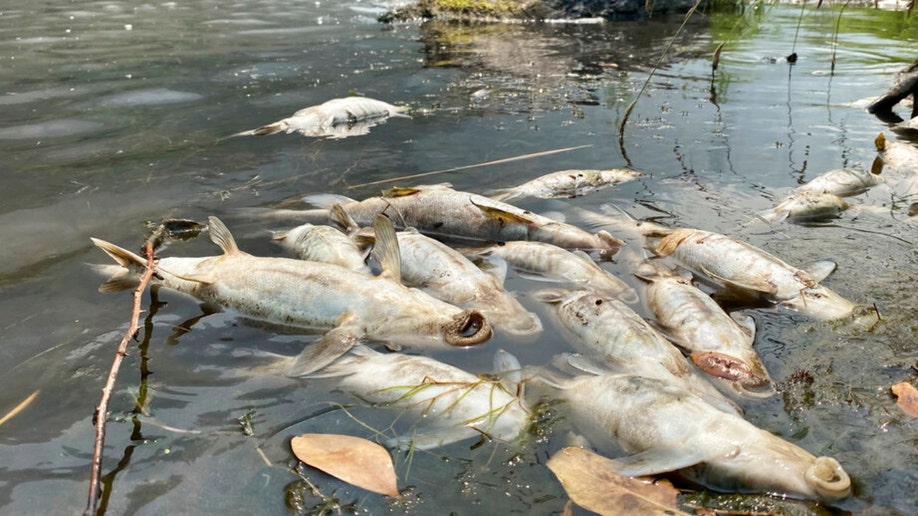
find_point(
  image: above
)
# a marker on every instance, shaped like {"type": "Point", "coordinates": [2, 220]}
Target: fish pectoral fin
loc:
{"type": "Point", "coordinates": [494, 212]}
{"type": "Point", "coordinates": [323, 351]}
{"type": "Point", "coordinates": [656, 461]}
{"type": "Point", "coordinates": [765, 287]}
{"type": "Point", "coordinates": [746, 322]}
{"type": "Point", "coordinates": [821, 269]}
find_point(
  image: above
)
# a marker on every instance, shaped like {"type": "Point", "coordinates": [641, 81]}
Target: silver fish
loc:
{"type": "Point", "coordinates": [843, 182]}
{"type": "Point", "coordinates": [321, 243]}
{"type": "Point", "coordinates": [354, 306]}
{"type": "Point", "coordinates": [556, 262]}
{"type": "Point", "coordinates": [442, 212]}
{"type": "Point", "coordinates": [336, 118]}
{"type": "Point", "coordinates": [738, 264]}
{"type": "Point", "coordinates": [902, 157]}
{"type": "Point", "coordinates": [450, 404]}
{"type": "Point", "coordinates": [716, 343]}
{"type": "Point", "coordinates": [666, 428]}
{"type": "Point", "coordinates": [450, 276]}
{"type": "Point", "coordinates": [806, 206]}
{"type": "Point", "coordinates": [607, 329]}
{"type": "Point", "coordinates": [567, 183]}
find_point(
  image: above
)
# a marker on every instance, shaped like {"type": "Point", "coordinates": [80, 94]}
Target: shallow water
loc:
{"type": "Point", "coordinates": [115, 115]}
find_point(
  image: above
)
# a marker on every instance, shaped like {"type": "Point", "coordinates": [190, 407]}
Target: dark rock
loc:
{"type": "Point", "coordinates": [535, 10]}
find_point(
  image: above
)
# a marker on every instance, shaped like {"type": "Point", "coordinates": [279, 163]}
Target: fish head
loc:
{"type": "Point", "coordinates": [467, 328]}
{"type": "Point", "coordinates": [821, 303]}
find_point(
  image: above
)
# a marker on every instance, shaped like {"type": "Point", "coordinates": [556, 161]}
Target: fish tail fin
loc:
{"type": "Point", "coordinates": [124, 257]}
{"type": "Point", "coordinates": [220, 235]}
{"type": "Point", "coordinates": [385, 250]}
{"type": "Point", "coordinates": [119, 278]}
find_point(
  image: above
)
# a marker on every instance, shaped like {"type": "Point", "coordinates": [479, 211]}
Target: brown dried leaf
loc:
{"type": "Point", "coordinates": [908, 398]}
{"type": "Point", "coordinates": [590, 483]}
{"type": "Point", "coordinates": [354, 460]}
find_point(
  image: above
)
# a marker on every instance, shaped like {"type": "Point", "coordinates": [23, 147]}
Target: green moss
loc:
{"type": "Point", "coordinates": [477, 7]}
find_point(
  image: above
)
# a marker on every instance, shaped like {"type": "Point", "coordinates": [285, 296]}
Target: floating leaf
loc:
{"type": "Point", "coordinates": [590, 483]}
{"type": "Point", "coordinates": [908, 397]}
{"type": "Point", "coordinates": [354, 460]}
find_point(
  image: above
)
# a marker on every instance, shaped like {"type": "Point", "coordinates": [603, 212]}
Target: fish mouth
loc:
{"type": "Point", "coordinates": [469, 327]}
{"type": "Point", "coordinates": [828, 479]}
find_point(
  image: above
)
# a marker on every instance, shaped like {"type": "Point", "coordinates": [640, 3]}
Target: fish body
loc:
{"type": "Point", "coordinates": [352, 305]}
{"type": "Point", "coordinates": [321, 243]}
{"type": "Point", "coordinates": [665, 428]}
{"type": "Point", "coordinates": [568, 183]}
{"type": "Point", "coordinates": [843, 182]}
{"type": "Point", "coordinates": [735, 263]}
{"type": "Point", "coordinates": [563, 264]}
{"type": "Point", "coordinates": [806, 206]}
{"type": "Point", "coordinates": [336, 118]}
{"type": "Point", "coordinates": [608, 329]}
{"type": "Point", "coordinates": [450, 403]}
{"type": "Point", "coordinates": [448, 275]}
{"type": "Point", "coordinates": [715, 342]}
{"type": "Point", "coordinates": [902, 157]}
{"type": "Point", "coordinates": [442, 212]}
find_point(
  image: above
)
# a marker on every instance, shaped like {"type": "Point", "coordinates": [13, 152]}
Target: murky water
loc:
{"type": "Point", "coordinates": [115, 114]}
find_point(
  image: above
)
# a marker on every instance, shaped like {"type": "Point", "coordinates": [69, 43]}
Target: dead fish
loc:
{"type": "Point", "coordinates": [715, 341]}
{"type": "Point", "coordinates": [623, 341]}
{"type": "Point", "coordinates": [353, 306]}
{"type": "Point", "coordinates": [737, 264]}
{"type": "Point", "coordinates": [843, 182]}
{"type": "Point", "coordinates": [321, 243]}
{"type": "Point", "coordinates": [667, 428]}
{"type": "Point", "coordinates": [450, 404]}
{"type": "Point", "coordinates": [805, 206]}
{"type": "Point", "coordinates": [902, 157]}
{"type": "Point", "coordinates": [448, 275]}
{"type": "Point", "coordinates": [562, 264]}
{"type": "Point", "coordinates": [336, 118]}
{"type": "Point", "coordinates": [567, 183]}
{"type": "Point", "coordinates": [444, 213]}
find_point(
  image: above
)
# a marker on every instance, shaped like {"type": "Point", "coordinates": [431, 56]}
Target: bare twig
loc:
{"type": "Point", "coordinates": [495, 162]}
{"type": "Point", "coordinates": [99, 415]}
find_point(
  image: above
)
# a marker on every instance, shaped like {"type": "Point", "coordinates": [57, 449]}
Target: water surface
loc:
{"type": "Point", "coordinates": [116, 114]}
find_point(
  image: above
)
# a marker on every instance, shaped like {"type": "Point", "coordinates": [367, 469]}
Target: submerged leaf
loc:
{"type": "Point", "coordinates": [354, 460]}
{"type": "Point", "coordinates": [908, 397]}
{"type": "Point", "coordinates": [590, 483]}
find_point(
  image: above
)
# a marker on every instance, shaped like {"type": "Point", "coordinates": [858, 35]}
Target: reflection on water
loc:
{"type": "Point", "coordinates": [116, 114]}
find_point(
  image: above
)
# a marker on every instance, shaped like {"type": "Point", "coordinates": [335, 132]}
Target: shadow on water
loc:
{"type": "Point", "coordinates": [114, 116]}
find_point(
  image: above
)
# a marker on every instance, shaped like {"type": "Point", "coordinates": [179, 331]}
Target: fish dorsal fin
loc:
{"type": "Point", "coordinates": [494, 212]}
{"type": "Point", "coordinates": [385, 250]}
{"type": "Point", "coordinates": [399, 191]}
{"type": "Point", "coordinates": [220, 235]}
{"type": "Point", "coordinates": [342, 220]}
{"type": "Point", "coordinates": [279, 236]}
{"type": "Point", "coordinates": [820, 269]}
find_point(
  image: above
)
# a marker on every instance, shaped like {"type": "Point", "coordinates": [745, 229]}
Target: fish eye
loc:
{"type": "Point", "coordinates": [473, 325]}
{"type": "Point", "coordinates": [598, 302]}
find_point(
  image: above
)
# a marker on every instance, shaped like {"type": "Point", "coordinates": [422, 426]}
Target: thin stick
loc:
{"type": "Point", "coordinates": [495, 162]}
{"type": "Point", "coordinates": [19, 408]}
{"type": "Point", "coordinates": [99, 415]}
